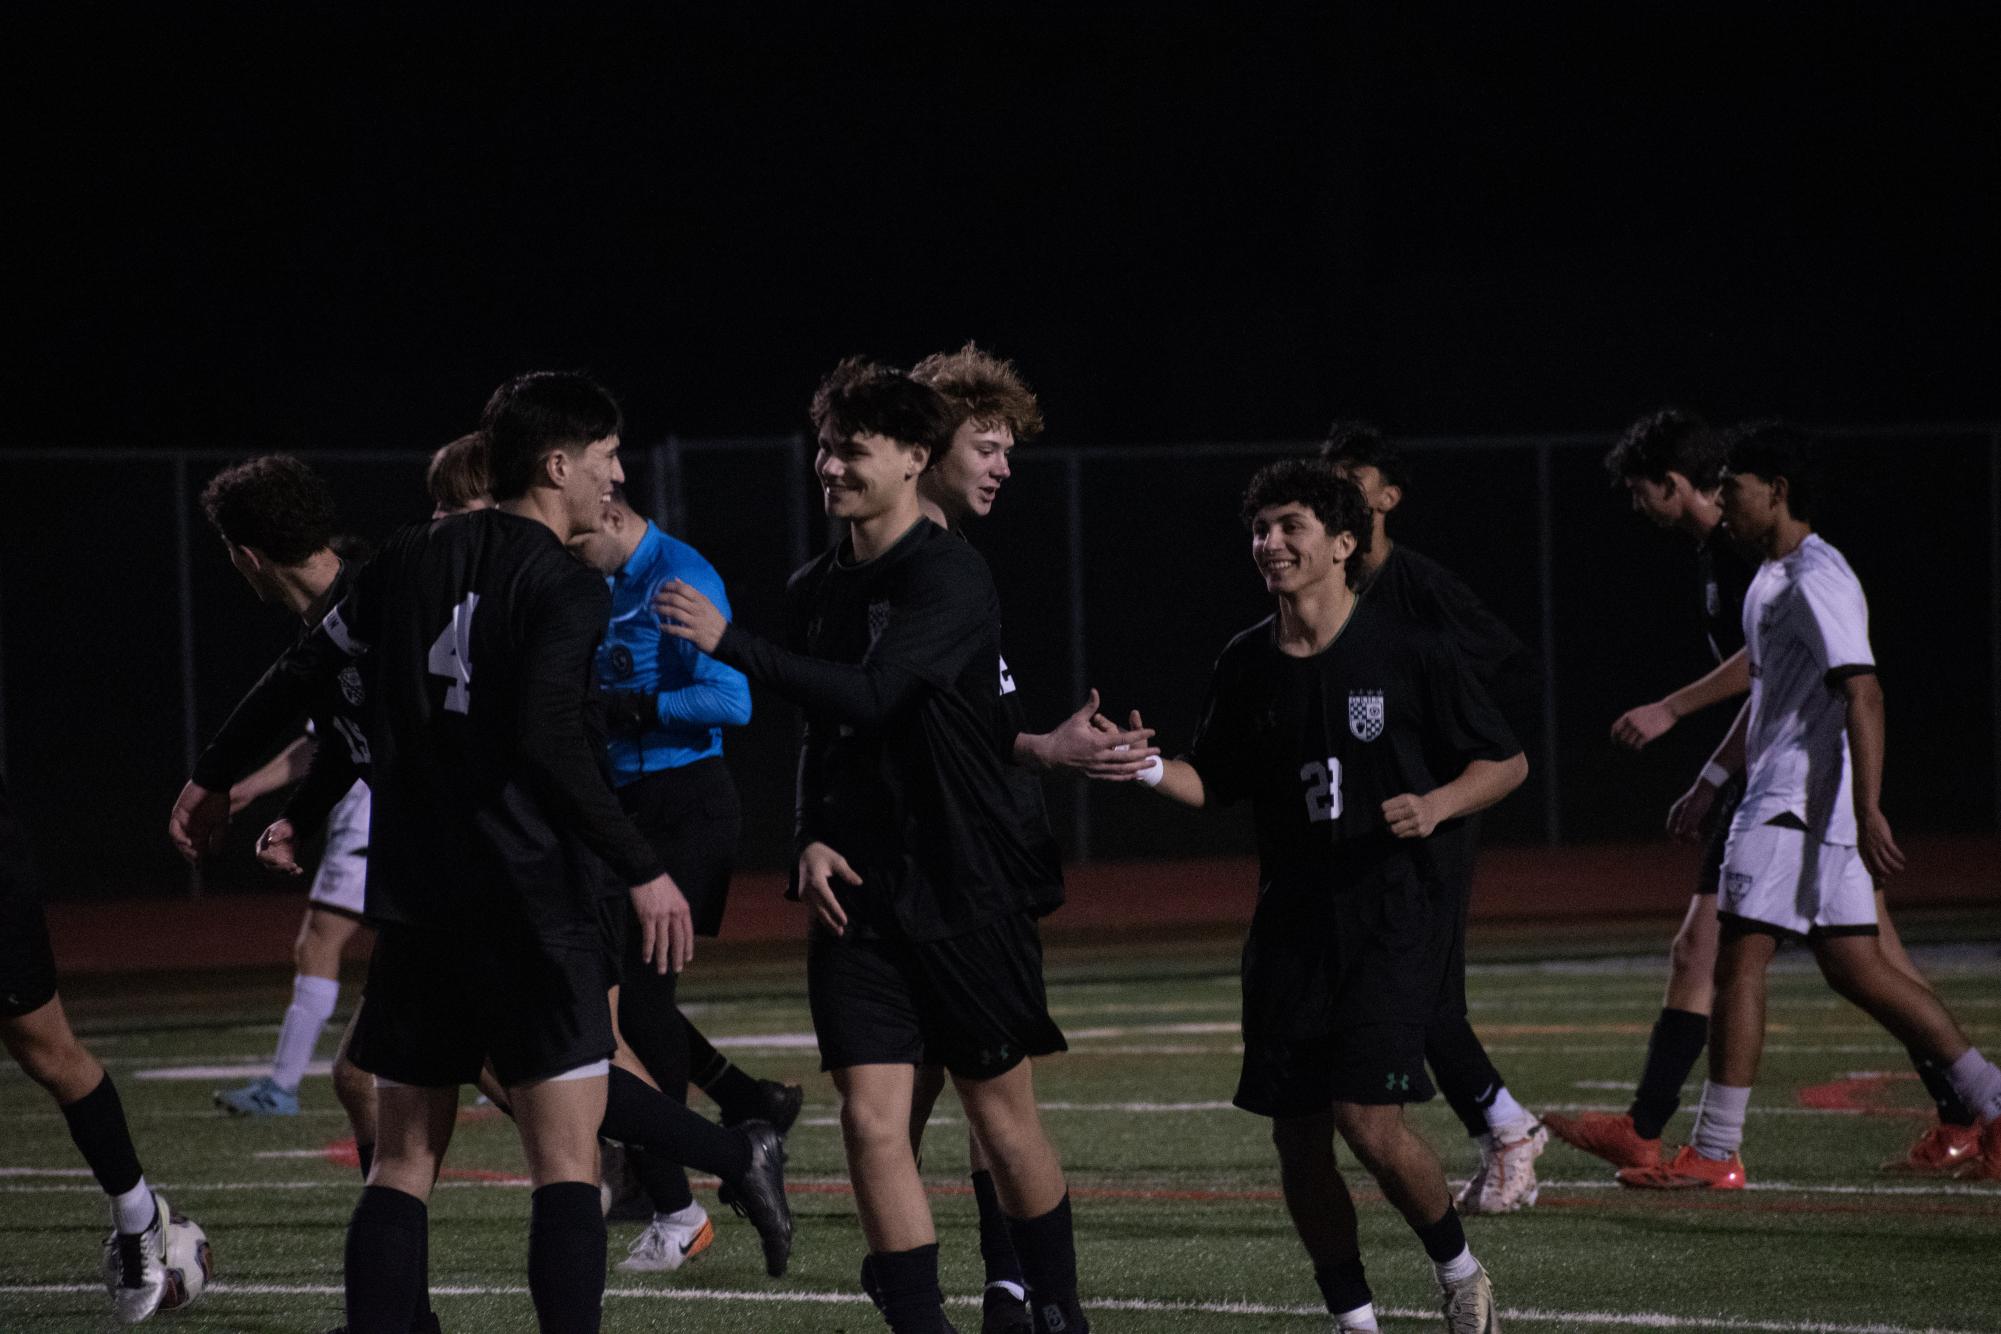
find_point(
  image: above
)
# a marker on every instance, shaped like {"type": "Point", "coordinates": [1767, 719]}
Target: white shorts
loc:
{"type": "Point", "coordinates": [1782, 880]}
{"type": "Point", "coordinates": [344, 867]}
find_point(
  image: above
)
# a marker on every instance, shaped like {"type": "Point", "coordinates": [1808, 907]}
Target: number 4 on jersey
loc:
{"type": "Point", "coordinates": [1323, 789]}
{"type": "Point", "coordinates": [451, 656]}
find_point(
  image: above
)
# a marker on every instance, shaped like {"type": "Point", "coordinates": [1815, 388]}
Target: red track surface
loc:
{"type": "Point", "coordinates": [1596, 883]}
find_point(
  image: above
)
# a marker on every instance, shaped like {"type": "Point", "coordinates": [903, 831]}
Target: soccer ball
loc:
{"type": "Point", "coordinates": [188, 1262]}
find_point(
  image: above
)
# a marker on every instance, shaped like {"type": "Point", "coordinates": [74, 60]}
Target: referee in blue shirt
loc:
{"type": "Point", "coordinates": [666, 704]}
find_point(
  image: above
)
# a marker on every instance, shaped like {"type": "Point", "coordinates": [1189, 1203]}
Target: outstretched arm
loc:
{"type": "Point", "coordinates": [1649, 722]}
{"type": "Point", "coordinates": [1077, 744]}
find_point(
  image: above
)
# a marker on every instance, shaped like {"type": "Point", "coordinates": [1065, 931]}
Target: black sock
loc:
{"type": "Point", "coordinates": [1048, 1250]}
{"type": "Point", "coordinates": [1343, 1286]}
{"type": "Point", "coordinates": [636, 1114]}
{"type": "Point", "coordinates": [1445, 1239]}
{"type": "Point", "coordinates": [734, 1091]}
{"type": "Point", "coordinates": [386, 1249]}
{"type": "Point", "coordinates": [1466, 1075]}
{"type": "Point", "coordinates": [364, 1150]}
{"type": "Point", "coordinates": [1678, 1039]}
{"type": "Point", "coordinates": [996, 1242]}
{"type": "Point", "coordinates": [566, 1253]}
{"type": "Point", "coordinates": [906, 1288]}
{"type": "Point", "coordinates": [1951, 1111]}
{"type": "Point", "coordinates": [97, 1124]}
{"type": "Point", "coordinates": [664, 1181]}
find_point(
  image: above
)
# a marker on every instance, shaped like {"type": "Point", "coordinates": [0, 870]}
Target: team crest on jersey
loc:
{"type": "Point", "coordinates": [1365, 714]}
{"type": "Point", "coordinates": [1006, 678]}
{"type": "Point", "coordinates": [878, 621]}
{"type": "Point", "coordinates": [621, 660]}
{"type": "Point", "coordinates": [351, 688]}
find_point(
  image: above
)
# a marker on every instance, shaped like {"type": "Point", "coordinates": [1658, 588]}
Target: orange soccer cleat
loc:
{"type": "Point", "coordinates": [1985, 1163]}
{"type": "Point", "coordinates": [1940, 1151]}
{"type": "Point", "coordinates": [1606, 1136]}
{"type": "Point", "coordinates": [1687, 1170]}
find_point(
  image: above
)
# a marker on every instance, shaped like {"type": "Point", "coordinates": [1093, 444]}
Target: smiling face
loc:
{"type": "Point", "coordinates": [968, 478]}
{"type": "Point", "coordinates": [1294, 551]}
{"type": "Point", "coordinates": [865, 476]}
{"type": "Point", "coordinates": [586, 478]}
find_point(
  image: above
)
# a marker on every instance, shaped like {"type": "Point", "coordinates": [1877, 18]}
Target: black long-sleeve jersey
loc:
{"type": "Point", "coordinates": [475, 636]}
{"type": "Point", "coordinates": [1426, 592]}
{"type": "Point", "coordinates": [338, 711]}
{"type": "Point", "coordinates": [1724, 577]}
{"type": "Point", "coordinates": [895, 663]}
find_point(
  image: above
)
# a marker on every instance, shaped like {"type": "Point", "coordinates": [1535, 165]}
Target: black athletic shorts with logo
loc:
{"type": "Point", "coordinates": [973, 1003]}
{"type": "Point", "coordinates": [1721, 811]}
{"type": "Point", "coordinates": [441, 1002]}
{"type": "Point", "coordinates": [1339, 989]}
{"type": "Point", "coordinates": [27, 964]}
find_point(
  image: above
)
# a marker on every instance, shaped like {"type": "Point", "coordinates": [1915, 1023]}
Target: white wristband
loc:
{"type": "Point", "coordinates": [1715, 774]}
{"type": "Point", "coordinates": [1151, 772]}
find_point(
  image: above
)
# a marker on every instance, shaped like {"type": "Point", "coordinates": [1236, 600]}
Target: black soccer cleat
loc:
{"type": "Point", "coordinates": [1001, 1312]}
{"type": "Point", "coordinates": [774, 1103]}
{"type": "Point", "coordinates": [1065, 1316]}
{"type": "Point", "coordinates": [759, 1195]}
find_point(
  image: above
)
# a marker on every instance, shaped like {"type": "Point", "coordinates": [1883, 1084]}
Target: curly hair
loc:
{"type": "Point", "coordinates": [274, 503]}
{"type": "Point", "coordinates": [1361, 445]}
{"type": "Point", "coordinates": [458, 475]}
{"type": "Point", "coordinates": [1334, 500]}
{"type": "Point", "coordinates": [983, 389]}
{"type": "Point", "coordinates": [1771, 449]}
{"type": "Point", "coordinates": [863, 397]}
{"type": "Point", "coordinates": [1669, 440]}
{"type": "Point", "coordinates": [535, 414]}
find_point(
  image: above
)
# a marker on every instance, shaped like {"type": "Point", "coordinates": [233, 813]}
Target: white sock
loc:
{"type": "Point", "coordinates": [1719, 1122]}
{"type": "Point", "coordinates": [1507, 1119]}
{"type": "Point", "coordinates": [1458, 1269]}
{"type": "Point", "coordinates": [312, 1005]}
{"type": "Point", "coordinates": [132, 1212]}
{"type": "Point", "coordinates": [1978, 1083]}
{"type": "Point", "coordinates": [1358, 1321]}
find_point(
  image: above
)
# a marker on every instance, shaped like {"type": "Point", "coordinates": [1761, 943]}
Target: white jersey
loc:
{"type": "Point", "coordinates": [1806, 627]}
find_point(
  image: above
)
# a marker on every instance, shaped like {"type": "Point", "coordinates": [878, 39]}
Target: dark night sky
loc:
{"type": "Point", "coordinates": [312, 225]}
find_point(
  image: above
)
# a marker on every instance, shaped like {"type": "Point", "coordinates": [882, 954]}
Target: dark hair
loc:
{"type": "Point", "coordinates": [458, 475]}
{"type": "Point", "coordinates": [532, 415]}
{"type": "Point", "coordinates": [863, 397]}
{"type": "Point", "coordinates": [983, 389]}
{"type": "Point", "coordinates": [1772, 449]}
{"type": "Point", "coordinates": [1360, 445]}
{"type": "Point", "coordinates": [1334, 500]}
{"type": "Point", "coordinates": [1669, 440]}
{"type": "Point", "coordinates": [275, 504]}
{"type": "Point", "coordinates": [352, 548]}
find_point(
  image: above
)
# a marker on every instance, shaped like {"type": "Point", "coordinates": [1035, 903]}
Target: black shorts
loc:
{"type": "Point", "coordinates": [693, 819]}
{"type": "Point", "coordinates": [1340, 988]}
{"type": "Point", "coordinates": [442, 1002]}
{"type": "Point", "coordinates": [1728, 798]}
{"type": "Point", "coordinates": [973, 1003]}
{"type": "Point", "coordinates": [27, 964]}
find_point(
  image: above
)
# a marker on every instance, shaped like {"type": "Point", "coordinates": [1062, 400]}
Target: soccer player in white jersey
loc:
{"type": "Point", "coordinates": [1810, 832]}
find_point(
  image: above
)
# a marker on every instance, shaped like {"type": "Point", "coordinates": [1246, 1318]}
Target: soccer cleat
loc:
{"type": "Point", "coordinates": [1606, 1136]}
{"type": "Point", "coordinates": [1469, 1306]}
{"type": "Point", "coordinates": [1059, 1317]}
{"type": "Point", "coordinates": [426, 1323]}
{"type": "Point", "coordinates": [260, 1097]}
{"type": "Point", "coordinates": [1986, 1165]}
{"type": "Point", "coordinates": [1687, 1170]}
{"type": "Point", "coordinates": [619, 1192]}
{"type": "Point", "coordinates": [670, 1241]}
{"type": "Point", "coordinates": [1506, 1179]}
{"type": "Point", "coordinates": [135, 1267]}
{"type": "Point", "coordinates": [759, 1195]}
{"type": "Point", "coordinates": [1002, 1312]}
{"type": "Point", "coordinates": [1940, 1151]}
{"type": "Point", "coordinates": [775, 1103]}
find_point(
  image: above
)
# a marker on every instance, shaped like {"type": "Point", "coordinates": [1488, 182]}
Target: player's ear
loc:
{"type": "Point", "coordinates": [920, 459]}
{"type": "Point", "coordinates": [1782, 493]}
{"type": "Point", "coordinates": [556, 467]}
{"type": "Point", "coordinates": [1388, 497]}
{"type": "Point", "coordinates": [1344, 546]}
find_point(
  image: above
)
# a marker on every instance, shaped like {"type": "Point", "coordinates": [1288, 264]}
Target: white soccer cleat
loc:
{"type": "Point", "coordinates": [1469, 1306]}
{"type": "Point", "coordinates": [135, 1267]}
{"type": "Point", "coordinates": [670, 1241]}
{"type": "Point", "coordinates": [1506, 1179]}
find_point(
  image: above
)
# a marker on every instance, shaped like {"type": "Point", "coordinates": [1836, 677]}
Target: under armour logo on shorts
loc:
{"type": "Point", "coordinates": [1397, 1083]}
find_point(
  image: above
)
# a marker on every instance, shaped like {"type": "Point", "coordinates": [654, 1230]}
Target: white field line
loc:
{"type": "Point", "coordinates": [724, 1296]}
{"type": "Point", "coordinates": [251, 1070]}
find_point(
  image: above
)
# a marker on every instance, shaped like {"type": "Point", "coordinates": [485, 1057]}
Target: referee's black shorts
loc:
{"type": "Point", "coordinates": [693, 819]}
{"type": "Point", "coordinates": [441, 1002]}
{"type": "Point", "coordinates": [973, 1003]}
{"type": "Point", "coordinates": [27, 964]}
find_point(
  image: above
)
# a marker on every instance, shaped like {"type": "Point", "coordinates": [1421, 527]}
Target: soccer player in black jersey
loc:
{"type": "Point", "coordinates": [922, 945]}
{"type": "Point", "coordinates": [493, 828]}
{"type": "Point", "coordinates": [1363, 741]}
{"type": "Point", "coordinates": [1670, 463]}
{"type": "Point", "coordinates": [1509, 1137]}
{"type": "Point", "coordinates": [36, 1033]}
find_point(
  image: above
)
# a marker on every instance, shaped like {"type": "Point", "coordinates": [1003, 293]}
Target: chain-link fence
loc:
{"type": "Point", "coordinates": [125, 636]}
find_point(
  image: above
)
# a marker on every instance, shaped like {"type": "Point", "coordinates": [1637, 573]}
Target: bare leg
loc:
{"type": "Point", "coordinates": [1008, 1127]}
{"type": "Point", "coordinates": [1737, 1027]}
{"type": "Point", "coordinates": [1399, 1159]}
{"type": "Point", "coordinates": [1692, 959]}
{"type": "Point", "coordinates": [1323, 1213]}
{"type": "Point", "coordinates": [875, 1130]}
{"type": "Point", "coordinates": [1860, 972]}
{"type": "Point", "coordinates": [47, 1049]}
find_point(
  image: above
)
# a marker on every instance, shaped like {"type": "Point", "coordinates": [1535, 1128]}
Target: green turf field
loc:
{"type": "Point", "coordinates": [1178, 1222]}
